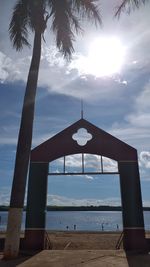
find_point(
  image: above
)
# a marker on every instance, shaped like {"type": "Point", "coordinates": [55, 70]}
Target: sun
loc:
{"type": "Point", "coordinates": [106, 56]}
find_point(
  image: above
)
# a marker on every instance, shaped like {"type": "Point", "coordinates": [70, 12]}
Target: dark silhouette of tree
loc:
{"type": "Point", "coordinates": [64, 17]}
{"type": "Point", "coordinates": [128, 5]}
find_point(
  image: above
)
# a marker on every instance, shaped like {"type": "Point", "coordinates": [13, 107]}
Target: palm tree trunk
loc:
{"type": "Point", "coordinates": [22, 155]}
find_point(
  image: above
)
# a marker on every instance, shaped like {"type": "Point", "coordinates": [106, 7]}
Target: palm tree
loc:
{"type": "Point", "coordinates": [128, 5]}
{"type": "Point", "coordinates": [33, 15]}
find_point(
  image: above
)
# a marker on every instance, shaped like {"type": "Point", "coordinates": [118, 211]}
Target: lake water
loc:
{"type": "Point", "coordinates": [83, 220]}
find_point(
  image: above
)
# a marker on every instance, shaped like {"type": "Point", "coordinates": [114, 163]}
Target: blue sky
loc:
{"type": "Point", "coordinates": [119, 102]}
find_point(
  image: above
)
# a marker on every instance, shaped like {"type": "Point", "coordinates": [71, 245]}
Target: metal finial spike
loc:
{"type": "Point", "coordinates": [81, 109]}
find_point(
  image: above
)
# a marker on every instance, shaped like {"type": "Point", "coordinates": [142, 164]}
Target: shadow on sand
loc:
{"type": "Point", "coordinates": [13, 263]}
{"type": "Point", "coordinates": [133, 260]}
{"type": "Point", "coordinates": [138, 260]}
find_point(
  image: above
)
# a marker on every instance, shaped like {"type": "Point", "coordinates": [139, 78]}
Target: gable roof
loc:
{"type": "Point", "coordinates": [102, 143]}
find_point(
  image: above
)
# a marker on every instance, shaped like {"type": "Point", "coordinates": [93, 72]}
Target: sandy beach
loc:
{"type": "Point", "coordinates": [80, 239]}
{"type": "Point", "coordinates": [74, 248]}
{"type": "Point", "coordinates": [83, 240]}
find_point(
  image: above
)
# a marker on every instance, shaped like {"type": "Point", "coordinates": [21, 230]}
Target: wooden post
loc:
{"type": "Point", "coordinates": [133, 222]}
{"type": "Point", "coordinates": [36, 206]}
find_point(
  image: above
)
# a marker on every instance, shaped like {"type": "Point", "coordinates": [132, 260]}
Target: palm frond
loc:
{"type": "Point", "coordinates": [19, 24]}
{"type": "Point", "coordinates": [128, 5]}
{"type": "Point", "coordinates": [89, 9]}
{"type": "Point", "coordinates": [66, 18]}
{"type": "Point", "coordinates": [62, 20]}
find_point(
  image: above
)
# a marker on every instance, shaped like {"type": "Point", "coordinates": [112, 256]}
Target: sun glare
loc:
{"type": "Point", "coordinates": [105, 57]}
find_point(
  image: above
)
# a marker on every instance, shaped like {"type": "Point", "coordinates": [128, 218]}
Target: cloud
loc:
{"type": "Point", "coordinates": [142, 100]}
{"type": "Point", "coordinates": [61, 77]}
{"type": "Point", "coordinates": [65, 201]}
{"type": "Point", "coordinates": [146, 203]}
{"type": "Point", "coordinates": [109, 165]}
{"type": "Point", "coordinates": [92, 163]}
{"type": "Point", "coordinates": [53, 63]}
{"type": "Point", "coordinates": [51, 55]}
{"type": "Point", "coordinates": [144, 158]}
{"type": "Point", "coordinates": [4, 62]}
{"type": "Point", "coordinates": [139, 119]}
{"type": "Point", "coordinates": [89, 177]}
{"type": "Point", "coordinates": [73, 161]}
{"type": "Point", "coordinates": [140, 116]}
{"type": "Point", "coordinates": [8, 135]}
{"type": "Point", "coordinates": [4, 195]}
{"type": "Point", "coordinates": [10, 72]}
{"type": "Point", "coordinates": [134, 136]}
{"type": "Point", "coordinates": [10, 127]}
{"type": "Point", "coordinates": [135, 127]}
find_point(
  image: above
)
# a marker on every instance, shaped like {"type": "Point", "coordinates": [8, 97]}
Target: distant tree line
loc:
{"type": "Point", "coordinates": [79, 208]}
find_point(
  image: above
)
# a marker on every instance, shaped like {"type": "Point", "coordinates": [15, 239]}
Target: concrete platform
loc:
{"type": "Point", "coordinates": [86, 258]}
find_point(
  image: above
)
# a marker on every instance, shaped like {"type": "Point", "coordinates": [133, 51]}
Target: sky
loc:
{"type": "Point", "coordinates": [110, 72]}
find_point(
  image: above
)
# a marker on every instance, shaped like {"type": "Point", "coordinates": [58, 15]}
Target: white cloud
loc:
{"type": "Point", "coordinates": [65, 201]}
{"type": "Point", "coordinates": [92, 163]}
{"type": "Point", "coordinates": [52, 56]}
{"type": "Point", "coordinates": [55, 73]}
{"type": "Point", "coordinates": [8, 135]}
{"type": "Point", "coordinates": [8, 141]}
{"type": "Point", "coordinates": [140, 117]}
{"type": "Point", "coordinates": [142, 100]}
{"type": "Point", "coordinates": [4, 61]}
{"type": "Point", "coordinates": [4, 195]}
{"type": "Point", "coordinates": [146, 203]}
{"type": "Point", "coordinates": [89, 177]}
{"type": "Point", "coordinates": [73, 161]}
{"type": "Point", "coordinates": [10, 72]}
{"type": "Point", "coordinates": [135, 128]}
{"type": "Point", "coordinates": [144, 158]}
{"type": "Point", "coordinates": [59, 76]}
{"type": "Point", "coordinates": [11, 138]}
{"type": "Point", "coordinates": [9, 132]}
{"type": "Point", "coordinates": [109, 165]}
{"type": "Point", "coordinates": [132, 135]}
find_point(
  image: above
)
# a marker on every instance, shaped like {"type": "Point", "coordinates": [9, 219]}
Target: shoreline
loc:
{"type": "Point", "coordinates": [78, 208]}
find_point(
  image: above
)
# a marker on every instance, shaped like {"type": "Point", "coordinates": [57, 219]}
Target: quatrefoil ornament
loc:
{"type": "Point", "coordinates": [82, 136]}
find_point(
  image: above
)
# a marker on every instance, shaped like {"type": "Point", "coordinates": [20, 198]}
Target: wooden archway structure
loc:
{"type": "Point", "coordinates": [102, 144]}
